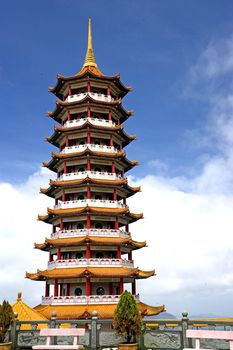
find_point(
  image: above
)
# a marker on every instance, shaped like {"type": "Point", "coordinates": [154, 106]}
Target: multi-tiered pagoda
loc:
{"type": "Point", "coordinates": [90, 248]}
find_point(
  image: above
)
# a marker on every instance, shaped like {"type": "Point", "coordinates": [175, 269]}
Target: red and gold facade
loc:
{"type": "Point", "coordinates": [90, 247]}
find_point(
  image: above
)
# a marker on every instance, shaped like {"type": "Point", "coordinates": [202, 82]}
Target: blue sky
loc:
{"type": "Point", "coordinates": [178, 57]}
{"type": "Point", "coordinates": [152, 44]}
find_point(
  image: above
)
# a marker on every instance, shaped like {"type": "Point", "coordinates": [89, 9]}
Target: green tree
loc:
{"type": "Point", "coordinates": [127, 320]}
{"type": "Point", "coordinates": [6, 318]}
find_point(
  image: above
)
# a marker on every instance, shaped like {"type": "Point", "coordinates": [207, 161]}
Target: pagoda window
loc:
{"type": "Point", "coordinates": [79, 255]}
{"type": "Point", "coordinates": [80, 226]}
{"type": "Point", "coordinates": [97, 142]}
{"type": "Point", "coordinates": [99, 255]}
{"type": "Point", "coordinates": [98, 169]}
{"type": "Point", "coordinates": [98, 226]}
{"type": "Point", "coordinates": [100, 291]}
{"type": "Point", "coordinates": [80, 170]}
{"type": "Point", "coordinates": [98, 197]}
{"type": "Point", "coordinates": [82, 142]}
{"type": "Point", "coordinates": [80, 197]}
{"type": "Point", "coordinates": [78, 292]}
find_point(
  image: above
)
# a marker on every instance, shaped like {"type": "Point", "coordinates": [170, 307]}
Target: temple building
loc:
{"type": "Point", "coordinates": [90, 247]}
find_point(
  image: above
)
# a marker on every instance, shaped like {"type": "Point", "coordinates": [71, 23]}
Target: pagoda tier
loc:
{"type": "Point", "coordinates": [90, 247]}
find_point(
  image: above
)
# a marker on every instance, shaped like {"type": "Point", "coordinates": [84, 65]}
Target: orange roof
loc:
{"type": "Point", "coordinates": [88, 151]}
{"type": "Point", "coordinates": [92, 271]}
{"type": "Point", "coordinates": [83, 311]}
{"type": "Point", "coordinates": [74, 241]}
{"type": "Point", "coordinates": [26, 313]}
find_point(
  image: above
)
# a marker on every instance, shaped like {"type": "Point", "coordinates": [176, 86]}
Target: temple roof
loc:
{"type": "Point", "coordinates": [56, 157]}
{"type": "Point", "coordinates": [60, 105]}
{"type": "Point", "coordinates": [61, 130]}
{"type": "Point", "coordinates": [77, 272]}
{"type": "Point", "coordinates": [56, 184]}
{"type": "Point", "coordinates": [92, 210]}
{"type": "Point", "coordinates": [76, 241]}
{"type": "Point", "coordinates": [85, 311]}
{"type": "Point", "coordinates": [26, 313]}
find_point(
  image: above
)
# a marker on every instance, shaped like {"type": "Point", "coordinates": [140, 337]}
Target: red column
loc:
{"type": "Point", "coordinates": [88, 137]}
{"type": "Point", "coordinates": [116, 223]}
{"type": "Point", "coordinates": [114, 195]}
{"type": "Point", "coordinates": [110, 288]}
{"type": "Point", "coordinates": [68, 289]}
{"type": "Point", "coordinates": [63, 196]}
{"type": "Point", "coordinates": [55, 288]}
{"type": "Point", "coordinates": [88, 286]}
{"type": "Point", "coordinates": [109, 115]}
{"type": "Point", "coordinates": [70, 91]}
{"type": "Point", "coordinates": [88, 192]}
{"type": "Point", "coordinates": [68, 115]}
{"type": "Point", "coordinates": [59, 254]}
{"type": "Point", "coordinates": [124, 201]}
{"type": "Point", "coordinates": [122, 174]}
{"type": "Point", "coordinates": [61, 224]}
{"type": "Point", "coordinates": [88, 87]}
{"type": "Point", "coordinates": [88, 112]}
{"type": "Point", "coordinates": [108, 91]}
{"type": "Point", "coordinates": [88, 164]}
{"type": "Point", "coordinates": [134, 287]}
{"type": "Point", "coordinates": [88, 252]}
{"type": "Point", "coordinates": [65, 168]}
{"type": "Point", "coordinates": [67, 141]}
{"type": "Point", "coordinates": [111, 140]}
{"type": "Point", "coordinates": [127, 228]}
{"type": "Point", "coordinates": [88, 221]}
{"type": "Point", "coordinates": [61, 284]}
{"type": "Point", "coordinates": [118, 252]}
{"type": "Point", "coordinates": [121, 286]}
{"type": "Point", "coordinates": [50, 256]}
{"type": "Point", "coordinates": [47, 289]}
{"type": "Point", "coordinates": [113, 168]}
{"type": "Point", "coordinates": [130, 256]}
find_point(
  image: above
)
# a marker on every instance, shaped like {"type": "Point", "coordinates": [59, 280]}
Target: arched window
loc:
{"type": "Point", "coordinates": [78, 292]}
{"type": "Point", "coordinates": [100, 291]}
{"type": "Point", "coordinates": [99, 255]}
{"type": "Point", "coordinates": [98, 225]}
{"type": "Point", "coordinates": [80, 226]}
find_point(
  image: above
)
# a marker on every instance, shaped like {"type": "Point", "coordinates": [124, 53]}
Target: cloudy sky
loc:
{"type": "Point", "coordinates": [178, 56]}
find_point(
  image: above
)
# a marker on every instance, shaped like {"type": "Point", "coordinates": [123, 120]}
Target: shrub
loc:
{"type": "Point", "coordinates": [6, 318]}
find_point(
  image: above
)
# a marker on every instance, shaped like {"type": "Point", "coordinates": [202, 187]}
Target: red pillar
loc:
{"type": "Point", "coordinates": [63, 196]}
{"type": "Point", "coordinates": [116, 223]}
{"type": "Point", "coordinates": [114, 195]}
{"type": "Point", "coordinates": [68, 115]}
{"type": "Point", "coordinates": [113, 168]}
{"type": "Point", "coordinates": [61, 224]}
{"type": "Point", "coordinates": [88, 112]}
{"type": "Point", "coordinates": [88, 87]}
{"type": "Point", "coordinates": [55, 288]}
{"type": "Point", "coordinates": [121, 286]}
{"type": "Point", "coordinates": [88, 137]}
{"type": "Point", "coordinates": [109, 115]}
{"type": "Point", "coordinates": [108, 91]}
{"type": "Point", "coordinates": [65, 168]}
{"type": "Point", "coordinates": [88, 192]}
{"type": "Point", "coordinates": [59, 254]}
{"type": "Point", "coordinates": [127, 228]}
{"type": "Point", "coordinates": [88, 164]}
{"type": "Point", "coordinates": [88, 252]}
{"type": "Point", "coordinates": [54, 228]}
{"type": "Point", "coordinates": [118, 252]}
{"type": "Point", "coordinates": [68, 289]}
{"type": "Point", "coordinates": [134, 287]}
{"type": "Point", "coordinates": [70, 91]}
{"type": "Point", "coordinates": [88, 221]}
{"type": "Point", "coordinates": [88, 286]}
{"type": "Point", "coordinates": [50, 256]}
{"type": "Point", "coordinates": [130, 256]}
{"type": "Point", "coordinates": [122, 174]}
{"type": "Point", "coordinates": [47, 290]}
{"type": "Point", "coordinates": [124, 201]}
{"type": "Point", "coordinates": [67, 141]}
{"type": "Point", "coordinates": [111, 140]}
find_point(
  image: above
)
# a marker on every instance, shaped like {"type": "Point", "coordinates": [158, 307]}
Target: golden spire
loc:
{"type": "Point", "coordinates": [90, 57]}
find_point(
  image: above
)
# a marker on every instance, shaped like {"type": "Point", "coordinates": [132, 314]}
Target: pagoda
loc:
{"type": "Point", "coordinates": [90, 247]}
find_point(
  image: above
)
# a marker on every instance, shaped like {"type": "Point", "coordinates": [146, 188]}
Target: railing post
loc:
{"type": "Point", "coordinates": [184, 327]}
{"type": "Point", "coordinates": [93, 330]}
{"type": "Point", "coordinates": [52, 324]}
{"type": "Point", "coordinates": [13, 337]}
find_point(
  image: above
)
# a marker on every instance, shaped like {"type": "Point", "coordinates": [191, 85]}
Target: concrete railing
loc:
{"type": "Point", "coordinates": [90, 232]}
{"type": "Point", "coordinates": [90, 262]}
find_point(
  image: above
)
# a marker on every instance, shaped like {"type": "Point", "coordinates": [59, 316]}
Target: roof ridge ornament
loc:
{"type": "Point", "coordinates": [90, 57]}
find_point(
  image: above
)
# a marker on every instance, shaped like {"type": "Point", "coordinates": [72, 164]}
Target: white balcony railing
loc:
{"type": "Point", "coordinates": [90, 262]}
{"type": "Point", "coordinates": [79, 203]}
{"type": "Point", "coordinates": [94, 121]}
{"type": "Point", "coordinates": [90, 232]}
{"type": "Point", "coordinates": [83, 299]}
{"type": "Point", "coordinates": [92, 174]}
{"type": "Point", "coordinates": [94, 95]}
{"type": "Point", "coordinates": [92, 147]}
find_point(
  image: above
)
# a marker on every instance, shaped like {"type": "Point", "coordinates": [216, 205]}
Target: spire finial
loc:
{"type": "Point", "coordinates": [90, 58]}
